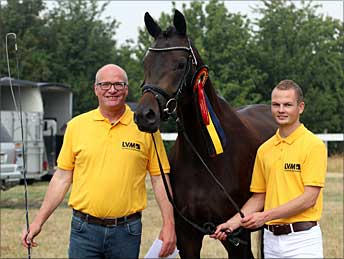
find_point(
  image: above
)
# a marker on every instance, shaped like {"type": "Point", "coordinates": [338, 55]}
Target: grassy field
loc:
{"type": "Point", "coordinates": [53, 240]}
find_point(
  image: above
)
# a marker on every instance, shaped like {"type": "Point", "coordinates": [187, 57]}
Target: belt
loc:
{"type": "Point", "coordinates": [284, 229]}
{"type": "Point", "coordinates": [106, 221]}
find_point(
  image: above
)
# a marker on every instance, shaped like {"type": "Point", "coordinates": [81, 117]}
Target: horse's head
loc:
{"type": "Point", "coordinates": [168, 69]}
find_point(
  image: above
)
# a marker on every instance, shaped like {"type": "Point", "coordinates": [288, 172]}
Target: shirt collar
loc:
{"type": "Point", "coordinates": [124, 119]}
{"type": "Point", "coordinates": [291, 138]}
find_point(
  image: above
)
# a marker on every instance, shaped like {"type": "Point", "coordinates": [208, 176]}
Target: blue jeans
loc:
{"type": "Point", "coordinates": [95, 241]}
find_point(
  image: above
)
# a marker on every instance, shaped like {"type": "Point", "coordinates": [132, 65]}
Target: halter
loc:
{"type": "Point", "coordinates": [171, 100]}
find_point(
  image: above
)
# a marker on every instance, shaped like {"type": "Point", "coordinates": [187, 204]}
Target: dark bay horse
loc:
{"type": "Point", "coordinates": [172, 69]}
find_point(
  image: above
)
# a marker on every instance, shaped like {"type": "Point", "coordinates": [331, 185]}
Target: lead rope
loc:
{"type": "Point", "coordinates": [209, 227]}
{"type": "Point", "coordinates": [21, 128]}
{"type": "Point", "coordinates": [231, 235]}
{"type": "Point", "coordinates": [182, 130]}
{"type": "Point", "coordinates": [169, 195]}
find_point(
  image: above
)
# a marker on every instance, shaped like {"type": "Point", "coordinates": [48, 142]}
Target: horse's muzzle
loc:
{"type": "Point", "coordinates": [147, 120]}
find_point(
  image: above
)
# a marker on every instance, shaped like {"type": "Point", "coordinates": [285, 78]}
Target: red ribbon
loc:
{"type": "Point", "coordinates": [201, 78]}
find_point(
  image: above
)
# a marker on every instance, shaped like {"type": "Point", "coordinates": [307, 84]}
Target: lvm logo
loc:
{"type": "Point", "coordinates": [130, 145]}
{"type": "Point", "coordinates": [292, 167]}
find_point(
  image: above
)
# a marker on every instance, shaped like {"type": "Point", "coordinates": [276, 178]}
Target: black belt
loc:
{"type": "Point", "coordinates": [106, 221]}
{"type": "Point", "coordinates": [284, 229]}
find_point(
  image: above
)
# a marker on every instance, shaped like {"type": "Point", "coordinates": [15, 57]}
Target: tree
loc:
{"type": "Point", "coordinates": [296, 43]}
{"type": "Point", "coordinates": [229, 50]}
{"type": "Point", "coordinates": [246, 60]}
{"type": "Point", "coordinates": [128, 58]}
{"type": "Point", "coordinates": [25, 19]}
{"type": "Point", "coordinates": [66, 45]}
{"type": "Point", "coordinates": [223, 41]}
{"type": "Point", "coordinates": [79, 43]}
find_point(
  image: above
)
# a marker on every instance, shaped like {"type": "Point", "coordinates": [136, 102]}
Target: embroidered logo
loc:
{"type": "Point", "coordinates": [292, 167]}
{"type": "Point", "coordinates": [131, 145]}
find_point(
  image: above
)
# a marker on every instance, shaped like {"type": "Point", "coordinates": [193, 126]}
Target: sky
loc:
{"type": "Point", "coordinates": [130, 13]}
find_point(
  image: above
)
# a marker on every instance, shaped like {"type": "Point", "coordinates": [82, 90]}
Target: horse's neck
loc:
{"type": "Point", "coordinates": [228, 117]}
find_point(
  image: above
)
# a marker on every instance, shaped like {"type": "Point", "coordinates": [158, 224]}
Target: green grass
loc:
{"type": "Point", "coordinates": [335, 164]}
{"type": "Point", "coordinates": [54, 238]}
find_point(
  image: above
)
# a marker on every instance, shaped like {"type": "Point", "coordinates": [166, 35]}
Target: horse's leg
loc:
{"type": "Point", "coordinates": [189, 246]}
{"type": "Point", "coordinates": [189, 241]}
{"type": "Point", "coordinates": [242, 251]}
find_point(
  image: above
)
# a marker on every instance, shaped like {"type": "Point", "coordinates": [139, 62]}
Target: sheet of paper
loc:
{"type": "Point", "coordinates": [154, 250]}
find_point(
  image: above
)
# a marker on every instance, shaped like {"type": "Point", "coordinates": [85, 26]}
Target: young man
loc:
{"type": "Point", "coordinates": [106, 158]}
{"type": "Point", "coordinates": [288, 177]}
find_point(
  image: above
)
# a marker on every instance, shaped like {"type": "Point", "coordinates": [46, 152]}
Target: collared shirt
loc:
{"type": "Point", "coordinates": [284, 166]}
{"type": "Point", "coordinates": [109, 163]}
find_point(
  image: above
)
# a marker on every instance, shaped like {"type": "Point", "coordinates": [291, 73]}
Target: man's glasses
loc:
{"type": "Point", "coordinates": [107, 85]}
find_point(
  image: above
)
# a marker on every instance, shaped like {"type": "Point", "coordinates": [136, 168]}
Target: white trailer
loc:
{"type": "Point", "coordinates": [46, 108]}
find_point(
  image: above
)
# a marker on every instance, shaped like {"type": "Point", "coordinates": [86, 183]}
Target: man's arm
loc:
{"type": "Point", "coordinates": [57, 189]}
{"type": "Point", "coordinates": [167, 233]}
{"type": "Point", "coordinates": [291, 208]}
{"type": "Point", "coordinates": [253, 204]}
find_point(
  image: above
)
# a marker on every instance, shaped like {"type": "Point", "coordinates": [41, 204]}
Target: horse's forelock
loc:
{"type": "Point", "coordinates": [169, 31]}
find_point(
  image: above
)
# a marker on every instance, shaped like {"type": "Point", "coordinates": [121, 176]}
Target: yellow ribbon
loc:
{"type": "Point", "coordinates": [214, 136]}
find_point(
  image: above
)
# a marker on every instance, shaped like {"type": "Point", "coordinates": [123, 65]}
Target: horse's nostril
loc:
{"type": "Point", "coordinates": [150, 115]}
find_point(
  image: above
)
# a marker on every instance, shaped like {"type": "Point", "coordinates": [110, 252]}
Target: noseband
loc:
{"type": "Point", "coordinates": [171, 100]}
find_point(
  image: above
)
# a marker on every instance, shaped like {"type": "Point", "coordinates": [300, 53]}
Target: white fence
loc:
{"type": "Point", "coordinates": [331, 136]}
{"type": "Point", "coordinates": [326, 137]}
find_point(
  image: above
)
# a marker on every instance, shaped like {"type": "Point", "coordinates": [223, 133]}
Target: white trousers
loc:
{"type": "Point", "coordinates": [302, 244]}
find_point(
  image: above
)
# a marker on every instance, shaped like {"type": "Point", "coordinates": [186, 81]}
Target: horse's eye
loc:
{"type": "Point", "coordinates": [180, 65]}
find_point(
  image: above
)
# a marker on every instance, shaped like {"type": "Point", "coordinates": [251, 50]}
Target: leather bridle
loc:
{"type": "Point", "coordinates": [169, 107]}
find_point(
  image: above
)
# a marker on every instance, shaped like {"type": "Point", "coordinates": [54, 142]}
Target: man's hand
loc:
{"type": "Point", "coordinates": [167, 233]}
{"type": "Point", "coordinates": [227, 227]}
{"type": "Point", "coordinates": [254, 220]}
{"type": "Point", "coordinates": [28, 238]}
{"type": "Point", "coordinates": [57, 189]}
{"type": "Point", "coordinates": [169, 240]}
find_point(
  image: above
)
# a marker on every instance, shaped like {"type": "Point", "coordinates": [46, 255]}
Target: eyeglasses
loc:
{"type": "Point", "coordinates": [107, 85]}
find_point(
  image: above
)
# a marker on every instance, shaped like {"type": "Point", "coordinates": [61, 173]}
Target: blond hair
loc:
{"type": "Point", "coordinates": [290, 84]}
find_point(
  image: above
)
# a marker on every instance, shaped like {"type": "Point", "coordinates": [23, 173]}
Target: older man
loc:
{"type": "Point", "coordinates": [105, 158]}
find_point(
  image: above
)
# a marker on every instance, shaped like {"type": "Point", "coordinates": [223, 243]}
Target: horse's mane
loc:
{"type": "Point", "coordinates": [219, 104]}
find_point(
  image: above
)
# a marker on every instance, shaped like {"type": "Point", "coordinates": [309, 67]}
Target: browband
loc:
{"type": "Point", "coordinates": [169, 49]}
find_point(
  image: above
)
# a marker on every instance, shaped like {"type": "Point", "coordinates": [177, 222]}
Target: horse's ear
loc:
{"type": "Point", "coordinates": [152, 27]}
{"type": "Point", "coordinates": [179, 22]}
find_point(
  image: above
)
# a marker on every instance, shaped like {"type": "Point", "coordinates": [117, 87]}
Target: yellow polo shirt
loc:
{"type": "Point", "coordinates": [109, 164]}
{"type": "Point", "coordinates": [284, 166]}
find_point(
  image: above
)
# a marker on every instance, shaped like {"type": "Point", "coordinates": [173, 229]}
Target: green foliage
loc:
{"type": "Point", "coordinates": [246, 59]}
{"type": "Point", "coordinates": [320, 111]}
{"type": "Point", "coordinates": [300, 45]}
{"type": "Point", "coordinates": [67, 45]}
{"type": "Point", "coordinates": [168, 146]}
{"type": "Point", "coordinates": [127, 58]}
{"type": "Point", "coordinates": [80, 43]}
{"type": "Point", "coordinates": [24, 19]}
{"type": "Point", "coordinates": [223, 41]}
